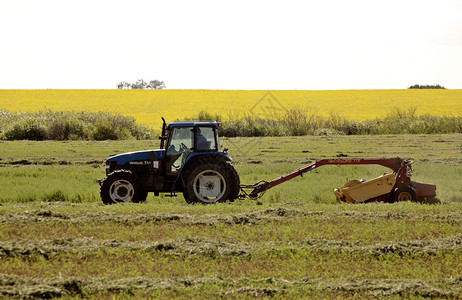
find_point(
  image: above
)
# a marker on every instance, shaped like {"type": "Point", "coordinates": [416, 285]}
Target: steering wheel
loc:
{"type": "Point", "coordinates": [183, 147]}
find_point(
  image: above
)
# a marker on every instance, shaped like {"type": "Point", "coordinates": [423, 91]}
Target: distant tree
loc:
{"type": "Point", "coordinates": [156, 84]}
{"type": "Point", "coordinates": [141, 84]}
{"type": "Point", "coordinates": [123, 85]}
{"type": "Point", "coordinates": [416, 86]}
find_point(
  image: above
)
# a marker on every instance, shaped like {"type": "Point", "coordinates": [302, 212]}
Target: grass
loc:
{"type": "Point", "coordinates": [243, 250]}
{"type": "Point", "coordinates": [40, 170]}
{"type": "Point", "coordinates": [293, 225]}
{"type": "Point", "coordinates": [58, 240]}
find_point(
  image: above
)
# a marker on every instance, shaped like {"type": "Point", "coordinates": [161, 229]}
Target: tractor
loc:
{"type": "Point", "coordinates": [190, 162]}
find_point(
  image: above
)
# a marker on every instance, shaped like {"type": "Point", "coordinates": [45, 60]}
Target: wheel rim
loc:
{"type": "Point", "coordinates": [404, 196]}
{"type": "Point", "coordinates": [121, 191]}
{"type": "Point", "coordinates": [209, 186]}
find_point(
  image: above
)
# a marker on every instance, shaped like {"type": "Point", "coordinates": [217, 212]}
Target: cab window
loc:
{"type": "Point", "coordinates": [179, 147]}
{"type": "Point", "coordinates": [205, 139]}
{"type": "Point", "coordinates": [180, 138]}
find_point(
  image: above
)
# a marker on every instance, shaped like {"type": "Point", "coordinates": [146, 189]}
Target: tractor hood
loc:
{"type": "Point", "coordinates": [125, 158]}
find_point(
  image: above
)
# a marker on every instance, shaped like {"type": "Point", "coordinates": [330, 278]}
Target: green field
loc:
{"type": "Point", "coordinates": [58, 240]}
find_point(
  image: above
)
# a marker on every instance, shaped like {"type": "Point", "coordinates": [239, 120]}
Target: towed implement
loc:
{"type": "Point", "coordinates": [190, 162]}
{"type": "Point", "coordinates": [389, 187]}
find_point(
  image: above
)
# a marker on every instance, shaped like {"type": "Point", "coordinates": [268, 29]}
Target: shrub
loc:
{"type": "Point", "coordinates": [304, 122]}
{"type": "Point", "coordinates": [103, 130]}
{"type": "Point", "coordinates": [62, 125]}
{"type": "Point", "coordinates": [205, 116]}
{"type": "Point", "coordinates": [104, 126]}
{"type": "Point", "coordinates": [66, 129]}
{"type": "Point", "coordinates": [28, 129]}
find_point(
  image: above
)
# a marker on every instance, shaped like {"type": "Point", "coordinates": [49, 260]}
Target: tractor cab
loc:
{"type": "Point", "coordinates": [186, 139]}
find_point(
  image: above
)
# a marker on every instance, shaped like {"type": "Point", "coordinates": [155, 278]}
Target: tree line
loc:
{"type": "Point", "coordinates": [427, 86]}
{"type": "Point", "coordinates": [141, 84]}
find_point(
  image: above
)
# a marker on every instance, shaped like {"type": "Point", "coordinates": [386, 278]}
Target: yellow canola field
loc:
{"type": "Point", "coordinates": [147, 106]}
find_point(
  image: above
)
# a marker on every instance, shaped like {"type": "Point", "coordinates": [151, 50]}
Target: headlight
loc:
{"type": "Point", "coordinates": [110, 167]}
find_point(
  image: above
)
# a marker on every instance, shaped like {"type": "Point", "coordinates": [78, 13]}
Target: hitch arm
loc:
{"type": "Point", "coordinates": [262, 186]}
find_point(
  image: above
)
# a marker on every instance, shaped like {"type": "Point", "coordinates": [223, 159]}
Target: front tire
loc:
{"type": "Point", "coordinates": [211, 182]}
{"type": "Point", "coordinates": [121, 186]}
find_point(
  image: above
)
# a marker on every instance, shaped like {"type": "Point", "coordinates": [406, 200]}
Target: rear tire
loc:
{"type": "Point", "coordinates": [210, 182]}
{"type": "Point", "coordinates": [121, 186]}
{"type": "Point", "coordinates": [235, 189]}
{"type": "Point", "coordinates": [404, 193]}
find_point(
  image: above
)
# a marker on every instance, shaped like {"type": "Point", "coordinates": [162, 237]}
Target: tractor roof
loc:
{"type": "Point", "coordinates": [192, 123]}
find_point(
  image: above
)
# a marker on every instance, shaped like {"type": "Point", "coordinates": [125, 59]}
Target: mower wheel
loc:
{"type": "Point", "coordinates": [405, 193]}
{"type": "Point", "coordinates": [121, 186]}
{"type": "Point", "coordinates": [210, 181]}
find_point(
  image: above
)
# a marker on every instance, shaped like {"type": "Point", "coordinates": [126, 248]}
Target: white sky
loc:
{"type": "Point", "coordinates": [306, 45]}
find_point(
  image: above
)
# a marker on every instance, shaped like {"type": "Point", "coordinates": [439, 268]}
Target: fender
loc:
{"type": "Point", "coordinates": [205, 156]}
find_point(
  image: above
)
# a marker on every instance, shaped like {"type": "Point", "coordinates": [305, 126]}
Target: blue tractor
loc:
{"type": "Point", "coordinates": [189, 162]}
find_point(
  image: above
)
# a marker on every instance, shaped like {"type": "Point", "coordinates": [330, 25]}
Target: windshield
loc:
{"type": "Point", "coordinates": [180, 137]}
{"type": "Point", "coordinates": [179, 147]}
